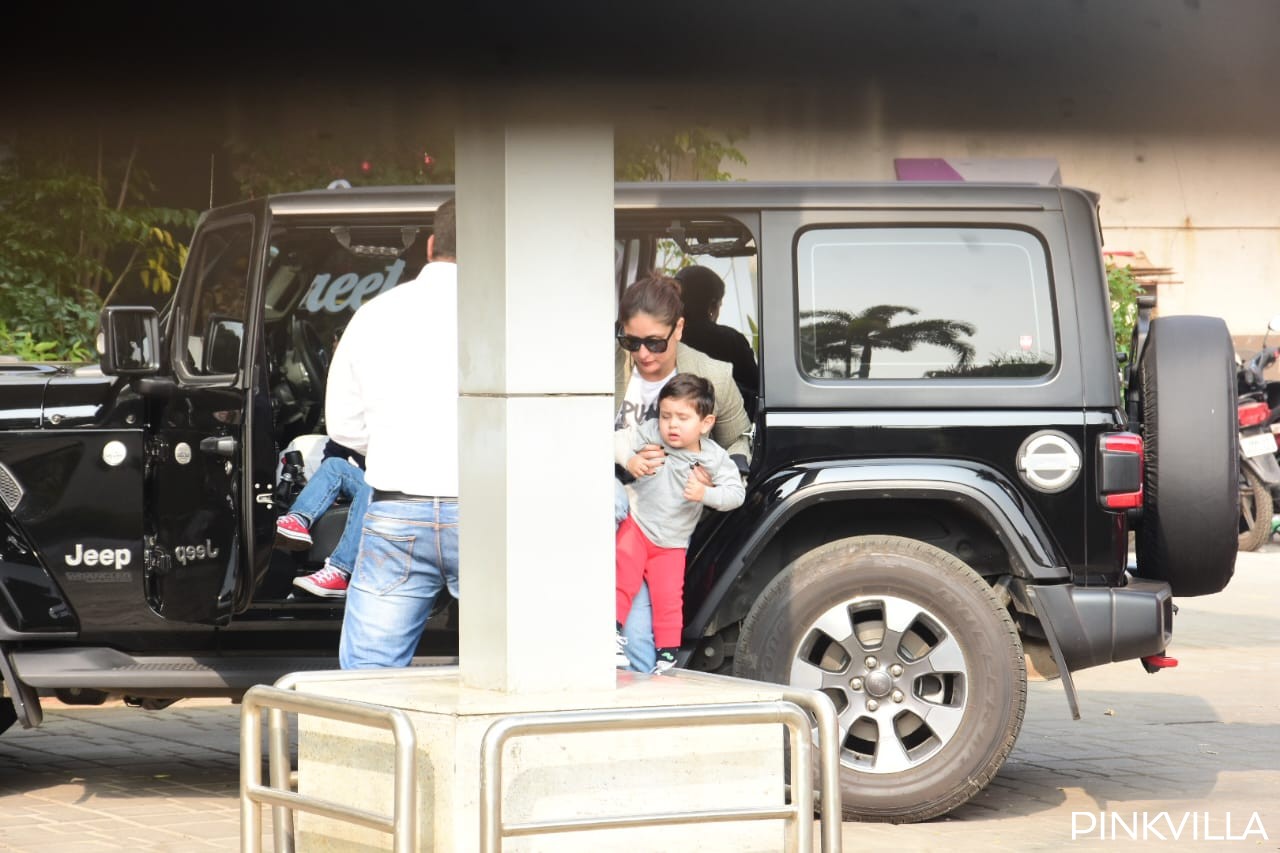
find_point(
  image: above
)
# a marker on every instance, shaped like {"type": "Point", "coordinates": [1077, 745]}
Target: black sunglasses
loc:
{"type": "Point", "coordinates": [655, 345]}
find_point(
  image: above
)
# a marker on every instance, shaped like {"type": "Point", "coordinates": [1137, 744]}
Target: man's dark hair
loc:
{"type": "Point", "coordinates": [701, 288]}
{"type": "Point", "coordinates": [694, 389]}
{"type": "Point", "coordinates": [444, 227]}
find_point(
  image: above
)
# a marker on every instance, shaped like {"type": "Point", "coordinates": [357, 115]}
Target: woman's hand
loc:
{"type": "Point", "coordinates": [695, 488]}
{"type": "Point", "coordinates": [647, 460]}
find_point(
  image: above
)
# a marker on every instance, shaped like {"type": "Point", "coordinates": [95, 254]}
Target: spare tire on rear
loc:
{"type": "Point", "coordinates": [1189, 533]}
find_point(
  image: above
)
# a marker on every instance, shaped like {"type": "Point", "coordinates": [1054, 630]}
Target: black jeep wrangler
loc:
{"type": "Point", "coordinates": [944, 477]}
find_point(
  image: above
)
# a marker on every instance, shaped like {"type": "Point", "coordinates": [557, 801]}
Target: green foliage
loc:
{"type": "Point", "coordinates": [40, 325]}
{"type": "Point", "coordinates": [670, 260]}
{"type": "Point", "coordinates": [1002, 365]}
{"type": "Point", "coordinates": [693, 154]}
{"type": "Point", "coordinates": [277, 160]}
{"type": "Point", "coordinates": [287, 160]}
{"type": "Point", "coordinates": [63, 244]}
{"type": "Point", "coordinates": [1124, 290]}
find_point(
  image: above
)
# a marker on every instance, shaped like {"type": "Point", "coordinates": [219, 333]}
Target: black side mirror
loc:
{"type": "Point", "coordinates": [222, 342]}
{"type": "Point", "coordinates": [129, 341]}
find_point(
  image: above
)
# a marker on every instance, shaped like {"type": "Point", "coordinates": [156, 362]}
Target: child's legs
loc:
{"type": "Point", "coordinates": [344, 554]}
{"type": "Point", "coordinates": [321, 490]}
{"type": "Point", "coordinates": [631, 552]}
{"type": "Point", "coordinates": [664, 574]}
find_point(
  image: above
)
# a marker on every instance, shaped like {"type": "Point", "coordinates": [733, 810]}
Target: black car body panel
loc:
{"type": "Point", "coordinates": [144, 523]}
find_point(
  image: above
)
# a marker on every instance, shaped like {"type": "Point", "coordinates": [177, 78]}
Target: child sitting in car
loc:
{"type": "Point", "coordinates": [341, 473]}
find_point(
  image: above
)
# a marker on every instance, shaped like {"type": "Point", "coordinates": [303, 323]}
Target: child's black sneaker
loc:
{"type": "Point", "coordinates": [620, 659]}
{"type": "Point", "coordinates": [666, 660]}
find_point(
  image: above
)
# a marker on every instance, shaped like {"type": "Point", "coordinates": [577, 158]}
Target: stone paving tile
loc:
{"type": "Point", "coordinates": [1203, 737]}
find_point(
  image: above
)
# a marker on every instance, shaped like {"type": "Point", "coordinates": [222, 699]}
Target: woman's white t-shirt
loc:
{"type": "Point", "coordinates": [639, 404]}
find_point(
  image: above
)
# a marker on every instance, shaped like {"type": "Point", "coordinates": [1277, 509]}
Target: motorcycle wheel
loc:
{"type": "Point", "coordinates": [1256, 509]}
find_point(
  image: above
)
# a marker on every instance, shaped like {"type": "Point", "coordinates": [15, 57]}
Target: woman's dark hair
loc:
{"type": "Point", "coordinates": [701, 288]}
{"type": "Point", "coordinates": [656, 295]}
{"type": "Point", "coordinates": [693, 389]}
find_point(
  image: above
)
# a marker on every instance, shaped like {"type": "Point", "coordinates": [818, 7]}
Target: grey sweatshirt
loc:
{"type": "Point", "coordinates": [660, 508]}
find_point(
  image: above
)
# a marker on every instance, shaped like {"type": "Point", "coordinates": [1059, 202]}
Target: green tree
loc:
{"type": "Point", "coordinates": [1124, 291]}
{"type": "Point", "coordinates": [688, 154]}
{"type": "Point", "coordinates": [71, 230]}
{"type": "Point", "coordinates": [843, 337]}
{"type": "Point", "coordinates": [276, 160]}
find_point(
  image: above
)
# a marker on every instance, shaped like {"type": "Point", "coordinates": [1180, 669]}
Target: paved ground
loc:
{"type": "Point", "coordinates": [1200, 742]}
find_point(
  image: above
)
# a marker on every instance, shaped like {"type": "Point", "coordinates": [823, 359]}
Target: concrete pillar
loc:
{"type": "Point", "coordinates": [535, 306]}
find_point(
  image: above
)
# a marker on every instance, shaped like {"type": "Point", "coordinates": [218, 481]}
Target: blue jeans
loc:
{"type": "Point", "coordinates": [638, 629]}
{"type": "Point", "coordinates": [336, 477]}
{"type": "Point", "coordinates": [621, 503]}
{"type": "Point", "coordinates": [408, 553]}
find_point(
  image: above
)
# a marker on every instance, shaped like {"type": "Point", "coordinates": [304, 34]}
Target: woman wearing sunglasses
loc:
{"type": "Point", "coordinates": [649, 353]}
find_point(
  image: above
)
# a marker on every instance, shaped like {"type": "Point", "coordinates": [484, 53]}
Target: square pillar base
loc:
{"type": "Point", "coordinates": [546, 777]}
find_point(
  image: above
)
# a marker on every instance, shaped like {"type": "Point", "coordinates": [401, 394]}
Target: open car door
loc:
{"type": "Point", "coordinates": [201, 483]}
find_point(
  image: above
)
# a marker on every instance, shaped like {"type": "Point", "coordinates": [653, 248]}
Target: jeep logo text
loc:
{"type": "Point", "coordinates": [348, 291]}
{"type": "Point", "coordinates": [82, 556]}
{"type": "Point", "coordinates": [190, 553]}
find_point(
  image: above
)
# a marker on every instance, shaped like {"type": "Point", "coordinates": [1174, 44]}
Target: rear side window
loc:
{"type": "Point", "coordinates": [923, 303]}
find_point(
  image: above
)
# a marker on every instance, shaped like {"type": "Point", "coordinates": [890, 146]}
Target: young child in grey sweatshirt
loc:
{"type": "Point", "coordinates": [668, 500]}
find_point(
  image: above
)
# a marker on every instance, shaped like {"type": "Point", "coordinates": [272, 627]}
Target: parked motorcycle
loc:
{"type": "Point", "coordinates": [1259, 465]}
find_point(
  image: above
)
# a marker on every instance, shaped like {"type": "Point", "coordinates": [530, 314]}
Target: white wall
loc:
{"type": "Point", "coordinates": [1169, 110]}
{"type": "Point", "coordinates": [1206, 206]}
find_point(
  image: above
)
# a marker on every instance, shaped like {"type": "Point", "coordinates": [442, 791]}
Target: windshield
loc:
{"type": "Point", "coordinates": [324, 273]}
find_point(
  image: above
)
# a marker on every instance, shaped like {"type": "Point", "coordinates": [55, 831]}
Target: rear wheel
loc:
{"type": "Point", "coordinates": [8, 714]}
{"type": "Point", "coordinates": [920, 659]}
{"type": "Point", "coordinates": [1256, 510]}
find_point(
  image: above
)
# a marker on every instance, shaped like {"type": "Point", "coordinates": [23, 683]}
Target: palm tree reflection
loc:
{"type": "Point", "coordinates": [831, 340]}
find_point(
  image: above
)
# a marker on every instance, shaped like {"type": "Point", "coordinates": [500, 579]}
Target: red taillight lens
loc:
{"type": "Point", "coordinates": [1252, 414]}
{"type": "Point", "coordinates": [1120, 470]}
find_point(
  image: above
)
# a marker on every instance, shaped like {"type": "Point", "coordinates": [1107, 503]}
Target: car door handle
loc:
{"type": "Point", "coordinates": [221, 445]}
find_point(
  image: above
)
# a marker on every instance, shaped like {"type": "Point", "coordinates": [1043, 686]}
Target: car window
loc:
{"type": "Point", "coordinates": [217, 309]}
{"type": "Point", "coordinates": [323, 274]}
{"type": "Point", "coordinates": [923, 303]}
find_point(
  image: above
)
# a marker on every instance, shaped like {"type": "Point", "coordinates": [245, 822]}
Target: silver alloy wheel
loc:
{"type": "Point", "coordinates": [896, 674]}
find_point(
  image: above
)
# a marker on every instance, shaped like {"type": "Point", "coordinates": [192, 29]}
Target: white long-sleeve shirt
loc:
{"type": "Point", "coordinates": [392, 391]}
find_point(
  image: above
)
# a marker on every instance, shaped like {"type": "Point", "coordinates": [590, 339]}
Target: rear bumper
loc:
{"type": "Point", "coordinates": [1096, 625]}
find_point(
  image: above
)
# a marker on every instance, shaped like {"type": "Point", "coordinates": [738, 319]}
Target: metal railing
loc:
{"type": "Point", "coordinates": [281, 777]}
{"type": "Point", "coordinates": [826, 732]}
{"type": "Point", "coordinates": [819, 721]}
{"type": "Point", "coordinates": [798, 816]}
{"type": "Point", "coordinates": [401, 824]}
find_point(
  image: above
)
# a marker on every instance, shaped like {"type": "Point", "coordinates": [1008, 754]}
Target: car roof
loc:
{"type": "Point", "coordinates": [723, 195]}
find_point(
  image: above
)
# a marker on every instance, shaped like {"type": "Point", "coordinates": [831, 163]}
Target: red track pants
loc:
{"type": "Point", "coordinates": [639, 560]}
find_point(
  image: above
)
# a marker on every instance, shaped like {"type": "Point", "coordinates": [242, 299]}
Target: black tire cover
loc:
{"type": "Point", "coordinates": [1189, 532]}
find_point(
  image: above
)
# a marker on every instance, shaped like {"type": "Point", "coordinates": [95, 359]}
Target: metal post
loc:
{"type": "Point", "coordinates": [250, 777]}
{"type": "Point", "coordinates": [278, 762]}
{"type": "Point", "coordinates": [828, 737]}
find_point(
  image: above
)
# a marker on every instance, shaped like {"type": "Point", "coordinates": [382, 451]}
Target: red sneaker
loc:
{"type": "Point", "coordinates": [292, 533]}
{"type": "Point", "coordinates": [326, 583]}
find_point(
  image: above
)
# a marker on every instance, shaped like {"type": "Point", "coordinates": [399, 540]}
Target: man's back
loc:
{"type": "Point", "coordinates": [406, 429]}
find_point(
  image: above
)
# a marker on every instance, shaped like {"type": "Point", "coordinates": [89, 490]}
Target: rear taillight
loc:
{"type": "Point", "coordinates": [1120, 470]}
{"type": "Point", "coordinates": [1252, 414]}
